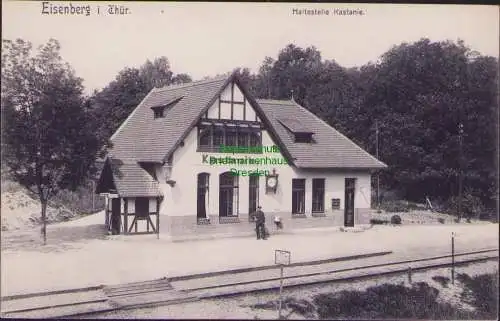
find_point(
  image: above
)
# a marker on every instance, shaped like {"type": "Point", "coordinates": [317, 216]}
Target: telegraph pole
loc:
{"type": "Point", "coordinates": [460, 175]}
{"type": "Point", "coordinates": [378, 172]}
{"type": "Point", "coordinates": [93, 196]}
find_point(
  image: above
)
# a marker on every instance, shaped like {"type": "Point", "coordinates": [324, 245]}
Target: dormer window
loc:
{"type": "Point", "coordinates": [300, 133]}
{"type": "Point", "coordinates": [159, 110]}
{"type": "Point", "coordinates": [303, 137]}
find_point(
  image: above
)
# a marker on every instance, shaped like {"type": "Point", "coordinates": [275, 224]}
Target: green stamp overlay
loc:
{"type": "Point", "coordinates": [245, 160]}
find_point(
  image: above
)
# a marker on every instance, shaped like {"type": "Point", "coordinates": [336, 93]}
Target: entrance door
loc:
{"type": "Point", "coordinates": [226, 196]}
{"type": "Point", "coordinates": [350, 189]}
{"type": "Point", "coordinates": [202, 195]}
{"type": "Point", "coordinates": [253, 195]}
{"type": "Point", "coordinates": [115, 216]}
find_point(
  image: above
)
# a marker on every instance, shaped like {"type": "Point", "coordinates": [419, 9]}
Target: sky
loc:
{"type": "Point", "coordinates": [206, 39]}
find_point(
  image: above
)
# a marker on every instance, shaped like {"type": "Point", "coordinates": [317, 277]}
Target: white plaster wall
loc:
{"type": "Point", "coordinates": [238, 111]}
{"type": "Point", "coordinates": [131, 205]}
{"type": "Point", "coordinates": [225, 111]}
{"type": "Point", "coordinates": [238, 95]}
{"type": "Point", "coordinates": [226, 93]}
{"type": "Point", "coordinates": [152, 205]}
{"type": "Point", "coordinates": [249, 112]}
{"type": "Point", "coordinates": [213, 111]}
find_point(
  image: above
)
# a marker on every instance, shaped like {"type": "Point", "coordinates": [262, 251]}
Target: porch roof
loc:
{"type": "Point", "coordinates": [128, 178]}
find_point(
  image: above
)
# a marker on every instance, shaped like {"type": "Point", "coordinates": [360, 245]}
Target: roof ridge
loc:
{"type": "Point", "coordinates": [344, 136]}
{"type": "Point", "coordinates": [193, 83]}
{"type": "Point", "coordinates": [276, 101]}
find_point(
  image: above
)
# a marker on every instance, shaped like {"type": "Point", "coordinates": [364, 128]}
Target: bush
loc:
{"type": "Point", "coordinates": [376, 221]}
{"type": "Point", "coordinates": [387, 301]}
{"type": "Point", "coordinates": [395, 206]}
{"type": "Point", "coordinates": [472, 206]}
{"type": "Point", "coordinates": [80, 201]}
{"type": "Point", "coordinates": [443, 280]}
{"type": "Point", "coordinates": [482, 292]}
{"type": "Point", "coordinates": [396, 219]}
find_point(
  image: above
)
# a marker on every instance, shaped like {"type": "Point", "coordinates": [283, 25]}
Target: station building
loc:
{"type": "Point", "coordinates": [200, 157]}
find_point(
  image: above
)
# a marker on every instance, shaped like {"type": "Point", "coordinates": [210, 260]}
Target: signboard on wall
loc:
{"type": "Point", "coordinates": [335, 203]}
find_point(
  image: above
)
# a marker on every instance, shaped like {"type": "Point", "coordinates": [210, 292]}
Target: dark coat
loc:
{"type": "Point", "coordinates": [260, 217]}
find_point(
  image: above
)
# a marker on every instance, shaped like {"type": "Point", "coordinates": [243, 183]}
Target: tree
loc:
{"type": "Point", "coordinates": [181, 79]}
{"type": "Point", "coordinates": [48, 134]}
{"type": "Point", "coordinates": [294, 70]}
{"type": "Point", "coordinates": [112, 105]}
{"type": "Point", "coordinates": [419, 94]}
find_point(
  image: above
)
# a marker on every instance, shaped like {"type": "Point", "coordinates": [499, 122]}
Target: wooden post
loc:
{"type": "Point", "coordinates": [158, 218]}
{"type": "Point", "coordinates": [93, 196]}
{"type": "Point", "coordinates": [378, 172]}
{"type": "Point", "coordinates": [460, 175]}
{"type": "Point", "coordinates": [452, 257]}
{"type": "Point", "coordinates": [281, 292]}
{"type": "Point", "coordinates": [125, 210]}
{"type": "Point", "coordinates": [409, 274]}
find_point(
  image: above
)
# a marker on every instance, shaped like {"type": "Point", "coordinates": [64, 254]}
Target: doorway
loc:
{"type": "Point", "coordinates": [350, 191]}
{"type": "Point", "coordinates": [115, 216]}
{"type": "Point", "coordinates": [253, 196]}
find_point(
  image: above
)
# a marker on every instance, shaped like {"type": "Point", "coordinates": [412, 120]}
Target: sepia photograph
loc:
{"type": "Point", "coordinates": [249, 160]}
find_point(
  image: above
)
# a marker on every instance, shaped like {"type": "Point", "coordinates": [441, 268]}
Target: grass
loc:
{"type": "Point", "coordinates": [388, 301]}
{"type": "Point", "coordinates": [391, 301]}
{"type": "Point", "coordinates": [481, 292]}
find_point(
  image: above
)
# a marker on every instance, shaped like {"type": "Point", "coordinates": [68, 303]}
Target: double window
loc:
{"type": "Point", "coordinates": [211, 138]}
{"type": "Point", "coordinates": [299, 195]}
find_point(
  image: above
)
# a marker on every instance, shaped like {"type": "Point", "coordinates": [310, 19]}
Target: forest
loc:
{"type": "Point", "coordinates": [430, 107]}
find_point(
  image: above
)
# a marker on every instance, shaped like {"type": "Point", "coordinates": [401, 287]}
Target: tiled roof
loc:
{"type": "Point", "coordinates": [144, 138]}
{"type": "Point", "coordinates": [131, 180]}
{"type": "Point", "coordinates": [331, 149]}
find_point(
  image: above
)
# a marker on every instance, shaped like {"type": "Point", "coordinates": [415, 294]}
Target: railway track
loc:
{"type": "Point", "coordinates": [81, 303]}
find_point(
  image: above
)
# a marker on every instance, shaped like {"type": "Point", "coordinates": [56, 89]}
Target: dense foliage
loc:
{"type": "Point", "coordinates": [417, 95]}
{"type": "Point", "coordinates": [416, 302]}
{"type": "Point", "coordinates": [48, 134]}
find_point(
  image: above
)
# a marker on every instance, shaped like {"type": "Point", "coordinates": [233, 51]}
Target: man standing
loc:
{"type": "Point", "coordinates": [260, 220]}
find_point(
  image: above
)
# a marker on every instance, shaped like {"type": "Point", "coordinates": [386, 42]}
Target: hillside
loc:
{"type": "Point", "coordinates": [21, 210]}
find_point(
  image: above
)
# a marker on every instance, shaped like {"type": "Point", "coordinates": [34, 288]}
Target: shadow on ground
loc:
{"type": "Point", "coordinates": [59, 238]}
